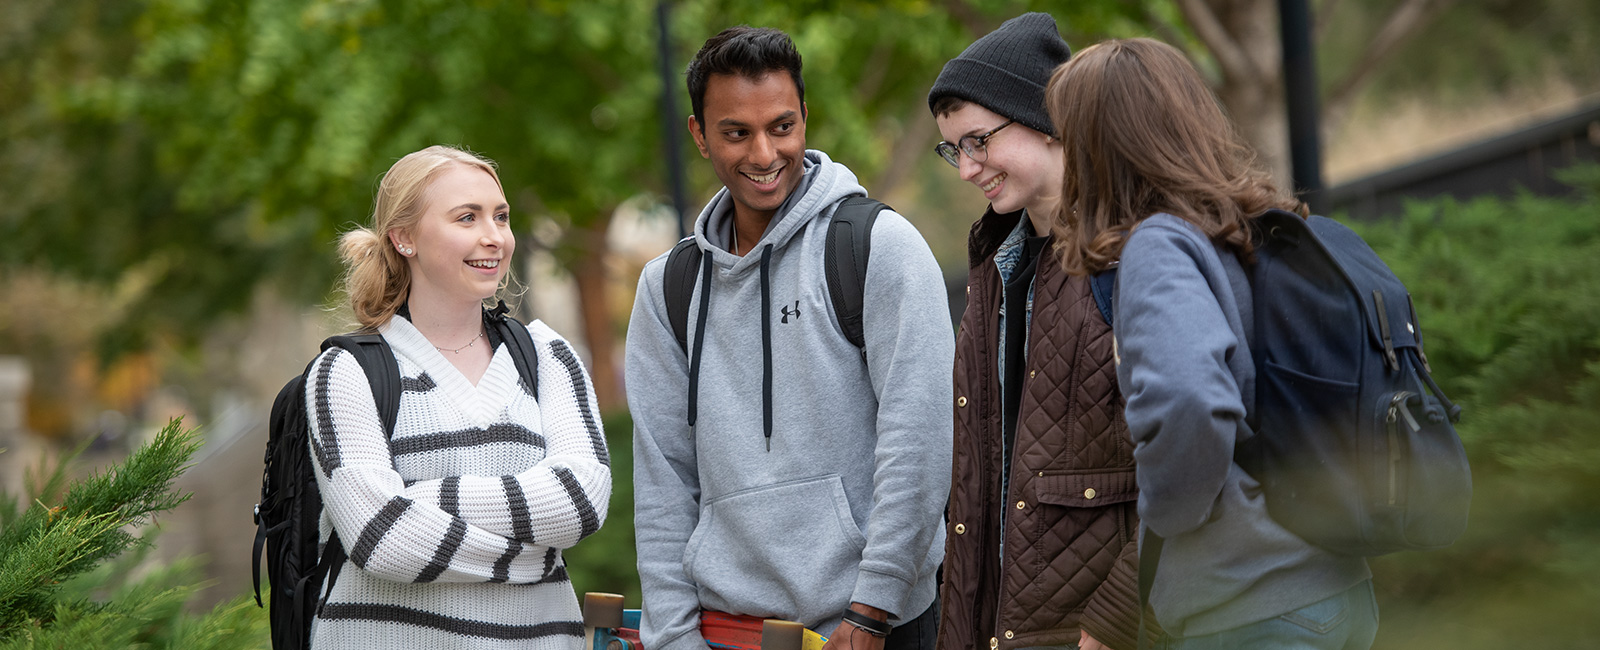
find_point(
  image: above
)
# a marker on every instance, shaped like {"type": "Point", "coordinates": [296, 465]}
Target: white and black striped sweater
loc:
{"type": "Point", "coordinates": [454, 527]}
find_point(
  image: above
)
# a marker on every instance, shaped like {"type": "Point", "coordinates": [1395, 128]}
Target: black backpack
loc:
{"type": "Point", "coordinates": [845, 257]}
{"type": "Point", "coordinates": [291, 504]}
{"type": "Point", "coordinates": [1355, 446]}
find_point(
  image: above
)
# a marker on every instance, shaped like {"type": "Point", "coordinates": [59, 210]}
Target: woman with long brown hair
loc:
{"type": "Point", "coordinates": [1158, 183]}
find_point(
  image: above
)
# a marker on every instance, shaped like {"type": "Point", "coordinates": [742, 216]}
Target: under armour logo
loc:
{"type": "Point", "coordinates": [787, 313]}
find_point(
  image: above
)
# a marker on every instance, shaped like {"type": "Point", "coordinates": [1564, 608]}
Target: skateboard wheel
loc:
{"type": "Point", "coordinates": [602, 610]}
{"type": "Point", "coordinates": [781, 635]}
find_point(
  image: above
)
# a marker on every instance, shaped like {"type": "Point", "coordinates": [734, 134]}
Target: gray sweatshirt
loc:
{"type": "Point", "coordinates": [1183, 324]}
{"type": "Point", "coordinates": [847, 503]}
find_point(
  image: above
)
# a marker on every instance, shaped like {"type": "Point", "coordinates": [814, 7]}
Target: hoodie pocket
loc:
{"type": "Point", "coordinates": [790, 549]}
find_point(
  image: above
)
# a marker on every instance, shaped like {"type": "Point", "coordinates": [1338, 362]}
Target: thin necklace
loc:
{"type": "Point", "coordinates": [469, 344]}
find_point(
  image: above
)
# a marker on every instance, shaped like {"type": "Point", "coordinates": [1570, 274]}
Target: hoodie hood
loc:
{"type": "Point", "coordinates": [823, 183]}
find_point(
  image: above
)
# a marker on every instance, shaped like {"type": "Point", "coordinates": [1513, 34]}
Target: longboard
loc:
{"type": "Point", "coordinates": [607, 626]}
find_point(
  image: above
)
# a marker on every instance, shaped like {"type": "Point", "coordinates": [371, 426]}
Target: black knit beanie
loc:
{"type": "Point", "coordinates": [1007, 70]}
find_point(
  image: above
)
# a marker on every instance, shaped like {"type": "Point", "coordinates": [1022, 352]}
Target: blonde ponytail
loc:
{"type": "Point", "coordinates": [377, 278]}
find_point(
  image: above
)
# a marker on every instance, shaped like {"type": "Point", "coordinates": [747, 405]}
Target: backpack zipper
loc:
{"type": "Point", "coordinates": [1397, 408]}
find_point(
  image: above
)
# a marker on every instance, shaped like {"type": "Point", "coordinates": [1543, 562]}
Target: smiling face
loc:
{"type": "Point", "coordinates": [462, 243]}
{"type": "Point", "coordinates": [1023, 168]}
{"type": "Point", "coordinates": [755, 137]}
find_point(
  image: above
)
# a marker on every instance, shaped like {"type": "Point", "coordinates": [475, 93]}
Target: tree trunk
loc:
{"type": "Point", "coordinates": [590, 271]}
{"type": "Point", "coordinates": [1255, 100]}
{"type": "Point", "coordinates": [1242, 37]}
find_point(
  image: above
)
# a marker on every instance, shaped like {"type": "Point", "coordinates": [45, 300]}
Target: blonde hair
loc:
{"type": "Point", "coordinates": [1143, 134]}
{"type": "Point", "coordinates": [377, 279]}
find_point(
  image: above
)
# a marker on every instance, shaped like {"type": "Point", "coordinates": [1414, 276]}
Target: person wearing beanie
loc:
{"type": "Point", "coordinates": [1038, 418]}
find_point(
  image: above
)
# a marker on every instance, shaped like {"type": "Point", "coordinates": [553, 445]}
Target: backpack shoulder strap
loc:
{"type": "Point", "coordinates": [848, 248]}
{"type": "Point", "coordinates": [1102, 285]}
{"type": "Point", "coordinates": [520, 343]}
{"type": "Point", "coordinates": [678, 281]}
{"type": "Point", "coordinates": [383, 374]}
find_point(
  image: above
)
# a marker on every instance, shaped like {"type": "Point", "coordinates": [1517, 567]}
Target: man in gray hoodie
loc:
{"type": "Point", "coordinates": [781, 471]}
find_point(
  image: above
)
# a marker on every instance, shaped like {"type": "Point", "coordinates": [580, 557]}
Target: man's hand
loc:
{"type": "Point", "coordinates": [850, 637]}
{"type": "Point", "coordinates": [1086, 642]}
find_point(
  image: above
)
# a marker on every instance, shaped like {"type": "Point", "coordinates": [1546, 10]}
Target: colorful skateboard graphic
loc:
{"type": "Point", "coordinates": [607, 626]}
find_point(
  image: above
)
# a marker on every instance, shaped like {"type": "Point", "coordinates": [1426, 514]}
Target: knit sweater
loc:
{"type": "Point", "coordinates": [454, 527]}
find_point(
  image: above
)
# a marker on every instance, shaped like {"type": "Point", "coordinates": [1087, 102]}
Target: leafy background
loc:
{"type": "Point", "coordinates": [173, 174]}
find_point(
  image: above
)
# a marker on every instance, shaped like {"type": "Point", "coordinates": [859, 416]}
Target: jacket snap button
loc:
{"type": "Point", "coordinates": [961, 529]}
{"type": "Point", "coordinates": [961, 401]}
{"type": "Point", "coordinates": [1022, 504]}
{"type": "Point", "coordinates": [1089, 493]}
{"type": "Point", "coordinates": [993, 643]}
{"type": "Point", "coordinates": [1010, 634]}
{"type": "Point", "coordinates": [1031, 373]}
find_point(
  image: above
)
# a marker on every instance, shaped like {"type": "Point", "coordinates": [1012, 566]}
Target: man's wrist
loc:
{"type": "Point", "coordinates": [869, 610]}
{"type": "Point", "coordinates": [866, 618]}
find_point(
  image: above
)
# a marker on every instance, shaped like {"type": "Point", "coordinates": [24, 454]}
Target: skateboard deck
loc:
{"type": "Point", "coordinates": [609, 627]}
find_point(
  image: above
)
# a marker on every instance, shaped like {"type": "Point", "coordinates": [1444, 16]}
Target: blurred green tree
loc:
{"type": "Point", "coordinates": [187, 151]}
{"type": "Point", "coordinates": [1505, 291]}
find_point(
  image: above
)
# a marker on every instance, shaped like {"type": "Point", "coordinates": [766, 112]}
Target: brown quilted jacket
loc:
{"type": "Point", "coordinates": [1071, 559]}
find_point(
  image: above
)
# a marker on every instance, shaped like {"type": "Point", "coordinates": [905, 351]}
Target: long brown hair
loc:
{"type": "Point", "coordinates": [1142, 134]}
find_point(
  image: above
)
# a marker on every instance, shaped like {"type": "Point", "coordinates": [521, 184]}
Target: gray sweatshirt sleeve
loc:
{"type": "Point", "coordinates": [1175, 343]}
{"type": "Point", "coordinates": [666, 483]}
{"type": "Point", "coordinates": [910, 350]}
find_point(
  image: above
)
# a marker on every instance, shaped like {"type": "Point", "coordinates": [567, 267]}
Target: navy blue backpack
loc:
{"type": "Point", "coordinates": [1355, 446]}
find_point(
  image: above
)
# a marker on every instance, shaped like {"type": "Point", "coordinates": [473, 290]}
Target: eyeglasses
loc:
{"type": "Point", "coordinates": [976, 146]}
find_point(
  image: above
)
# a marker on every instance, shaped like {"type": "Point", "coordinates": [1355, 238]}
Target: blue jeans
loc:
{"type": "Point", "coordinates": [1345, 621]}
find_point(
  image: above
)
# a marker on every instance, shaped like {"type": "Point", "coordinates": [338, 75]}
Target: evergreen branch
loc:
{"type": "Point", "coordinates": [29, 572]}
{"type": "Point", "coordinates": [46, 546]}
{"type": "Point", "coordinates": [142, 486]}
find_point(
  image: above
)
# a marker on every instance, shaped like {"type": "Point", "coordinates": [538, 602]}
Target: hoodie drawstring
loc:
{"type": "Point", "coordinates": [699, 337]}
{"type": "Point", "coordinates": [766, 342]}
{"type": "Point", "coordinates": [766, 346]}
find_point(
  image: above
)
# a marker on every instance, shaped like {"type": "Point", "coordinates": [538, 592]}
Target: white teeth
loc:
{"type": "Point", "coordinates": [764, 179]}
{"type": "Point", "coordinates": [993, 182]}
{"type": "Point", "coordinates": [484, 264]}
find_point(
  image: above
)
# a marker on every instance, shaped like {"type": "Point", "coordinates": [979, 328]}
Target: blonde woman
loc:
{"type": "Point", "coordinates": [454, 525]}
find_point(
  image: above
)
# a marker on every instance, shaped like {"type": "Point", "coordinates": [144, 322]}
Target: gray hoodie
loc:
{"type": "Point", "coordinates": [847, 503]}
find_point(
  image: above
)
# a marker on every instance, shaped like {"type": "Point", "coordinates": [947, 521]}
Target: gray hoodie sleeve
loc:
{"type": "Point", "coordinates": [910, 350]}
{"type": "Point", "coordinates": [1176, 345]}
{"type": "Point", "coordinates": [665, 509]}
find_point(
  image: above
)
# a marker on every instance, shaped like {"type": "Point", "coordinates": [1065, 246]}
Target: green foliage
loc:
{"type": "Point", "coordinates": [182, 151]}
{"type": "Point", "coordinates": [1475, 46]}
{"type": "Point", "coordinates": [43, 546]}
{"type": "Point", "coordinates": [1508, 292]}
